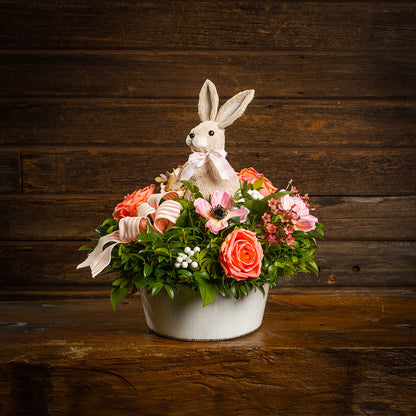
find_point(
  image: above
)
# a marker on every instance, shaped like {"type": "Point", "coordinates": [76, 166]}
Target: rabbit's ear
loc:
{"type": "Point", "coordinates": [208, 101]}
{"type": "Point", "coordinates": [234, 108]}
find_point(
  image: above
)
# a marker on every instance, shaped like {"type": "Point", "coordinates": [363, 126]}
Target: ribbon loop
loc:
{"type": "Point", "coordinates": [198, 159]}
{"type": "Point", "coordinates": [160, 211]}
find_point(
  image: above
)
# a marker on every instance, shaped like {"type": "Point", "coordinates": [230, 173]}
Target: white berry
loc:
{"type": "Point", "coordinates": [187, 250]}
{"type": "Point", "coordinates": [184, 264]}
{"type": "Point", "coordinates": [194, 264]}
{"type": "Point", "coordinates": [191, 253]}
{"type": "Point", "coordinates": [196, 249]}
{"type": "Point", "coordinates": [177, 265]}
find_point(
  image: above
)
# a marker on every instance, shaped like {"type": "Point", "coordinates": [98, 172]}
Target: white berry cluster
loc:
{"type": "Point", "coordinates": [184, 260]}
{"type": "Point", "coordinates": [255, 194]}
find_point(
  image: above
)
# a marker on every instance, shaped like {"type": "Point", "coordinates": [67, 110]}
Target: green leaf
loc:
{"type": "Point", "coordinates": [185, 273]}
{"type": "Point", "coordinates": [276, 195]}
{"type": "Point", "coordinates": [117, 294]}
{"type": "Point", "coordinates": [147, 270]}
{"type": "Point", "coordinates": [170, 291]}
{"type": "Point", "coordinates": [112, 228]}
{"type": "Point", "coordinates": [194, 189]}
{"type": "Point", "coordinates": [85, 248]}
{"type": "Point", "coordinates": [182, 220]}
{"type": "Point", "coordinates": [109, 221]}
{"type": "Point", "coordinates": [272, 271]}
{"type": "Point", "coordinates": [201, 275]}
{"type": "Point", "coordinates": [207, 288]}
{"type": "Point", "coordinates": [162, 250]}
{"type": "Point", "coordinates": [156, 287]}
{"type": "Point", "coordinates": [244, 288]}
{"type": "Point", "coordinates": [235, 290]}
{"type": "Point", "coordinates": [118, 281]}
{"type": "Point", "coordinates": [313, 267]}
{"type": "Point", "coordinates": [259, 183]}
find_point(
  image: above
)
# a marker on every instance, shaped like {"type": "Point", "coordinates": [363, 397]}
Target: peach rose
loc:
{"type": "Point", "coordinates": [128, 208]}
{"type": "Point", "coordinates": [251, 176]}
{"type": "Point", "coordinates": [241, 255]}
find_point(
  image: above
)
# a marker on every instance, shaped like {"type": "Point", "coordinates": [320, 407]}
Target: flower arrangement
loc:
{"type": "Point", "coordinates": [227, 244]}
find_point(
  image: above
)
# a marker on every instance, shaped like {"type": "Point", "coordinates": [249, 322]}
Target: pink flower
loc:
{"type": "Point", "coordinates": [241, 255]}
{"type": "Point", "coordinates": [219, 211]}
{"type": "Point", "coordinates": [299, 212]}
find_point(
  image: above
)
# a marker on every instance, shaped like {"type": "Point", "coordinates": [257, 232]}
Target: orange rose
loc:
{"type": "Point", "coordinates": [128, 208]}
{"type": "Point", "coordinates": [241, 255]}
{"type": "Point", "coordinates": [251, 176]}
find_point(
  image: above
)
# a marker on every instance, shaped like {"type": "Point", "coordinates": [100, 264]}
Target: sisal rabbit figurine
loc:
{"type": "Point", "coordinates": [207, 166]}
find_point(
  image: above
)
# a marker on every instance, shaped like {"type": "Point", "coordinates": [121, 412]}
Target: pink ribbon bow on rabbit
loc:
{"type": "Point", "coordinates": [218, 157]}
{"type": "Point", "coordinates": [159, 211]}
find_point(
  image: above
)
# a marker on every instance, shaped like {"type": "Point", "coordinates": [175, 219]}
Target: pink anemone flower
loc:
{"type": "Point", "coordinates": [219, 211]}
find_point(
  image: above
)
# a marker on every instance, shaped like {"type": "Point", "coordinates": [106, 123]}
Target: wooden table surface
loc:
{"type": "Point", "coordinates": [316, 353]}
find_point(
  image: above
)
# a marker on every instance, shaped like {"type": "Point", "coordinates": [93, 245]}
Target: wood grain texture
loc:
{"type": "Point", "coordinates": [91, 91]}
{"type": "Point", "coordinates": [50, 265]}
{"type": "Point", "coordinates": [313, 355]}
{"type": "Point", "coordinates": [229, 24]}
{"type": "Point", "coordinates": [74, 217]}
{"type": "Point", "coordinates": [10, 171]}
{"type": "Point", "coordinates": [165, 74]}
{"type": "Point", "coordinates": [320, 171]}
{"type": "Point", "coordinates": [144, 123]}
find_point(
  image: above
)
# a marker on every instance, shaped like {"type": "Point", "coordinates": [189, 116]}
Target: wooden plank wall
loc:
{"type": "Point", "coordinates": [98, 96]}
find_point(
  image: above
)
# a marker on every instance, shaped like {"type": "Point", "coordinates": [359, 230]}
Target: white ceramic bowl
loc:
{"type": "Point", "coordinates": [184, 318]}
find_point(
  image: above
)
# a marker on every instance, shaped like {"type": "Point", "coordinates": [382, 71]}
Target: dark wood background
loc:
{"type": "Point", "coordinates": [98, 96]}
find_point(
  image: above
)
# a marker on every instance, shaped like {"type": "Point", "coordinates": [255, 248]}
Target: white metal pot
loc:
{"type": "Point", "coordinates": [184, 318]}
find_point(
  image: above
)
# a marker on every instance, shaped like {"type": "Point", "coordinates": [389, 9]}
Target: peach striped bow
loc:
{"type": "Point", "coordinates": [160, 211]}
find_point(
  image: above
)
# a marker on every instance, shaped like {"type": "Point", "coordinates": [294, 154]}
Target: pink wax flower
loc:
{"type": "Point", "coordinates": [219, 211]}
{"type": "Point", "coordinates": [298, 211]}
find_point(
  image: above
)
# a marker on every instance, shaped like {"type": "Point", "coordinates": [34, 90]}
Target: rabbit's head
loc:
{"type": "Point", "coordinates": [209, 134]}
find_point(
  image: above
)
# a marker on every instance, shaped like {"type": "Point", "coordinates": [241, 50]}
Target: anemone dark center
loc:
{"type": "Point", "coordinates": [218, 212]}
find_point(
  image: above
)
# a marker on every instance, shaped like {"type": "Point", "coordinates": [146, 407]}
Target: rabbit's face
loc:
{"type": "Point", "coordinates": [206, 137]}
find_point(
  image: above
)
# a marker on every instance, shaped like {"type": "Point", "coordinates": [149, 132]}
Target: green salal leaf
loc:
{"type": "Point", "coordinates": [259, 183]}
{"type": "Point", "coordinates": [85, 248]}
{"type": "Point", "coordinates": [162, 250]}
{"type": "Point", "coordinates": [185, 273]}
{"type": "Point", "coordinates": [139, 281]}
{"type": "Point", "coordinates": [156, 288]}
{"type": "Point", "coordinates": [117, 293]}
{"type": "Point", "coordinates": [109, 221]}
{"type": "Point", "coordinates": [201, 275]}
{"type": "Point", "coordinates": [170, 291]}
{"type": "Point", "coordinates": [313, 267]}
{"type": "Point", "coordinates": [235, 290]}
{"type": "Point", "coordinates": [118, 281]}
{"type": "Point", "coordinates": [244, 288]}
{"type": "Point", "coordinates": [190, 186]}
{"type": "Point", "coordinates": [207, 288]}
{"type": "Point", "coordinates": [194, 189]}
{"type": "Point", "coordinates": [276, 195]}
{"type": "Point", "coordinates": [148, 236]}
{"type": "Point", "coordinates": [182, 220]}
{"type": "Point", "coordinates": [112, 228]}
{"type": "Point", "coordinates": [147, 270]}
{"type": "Point", "coordinates": [272, 269]}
